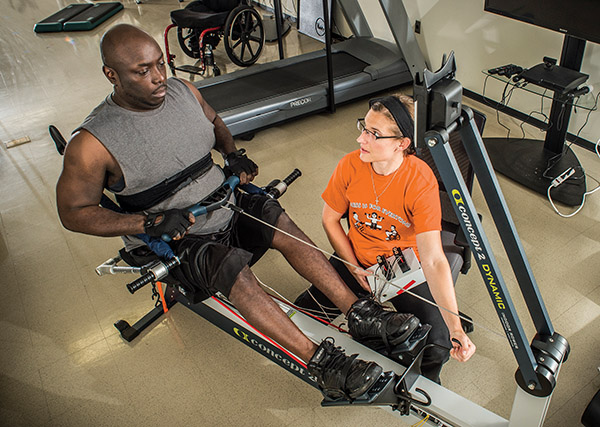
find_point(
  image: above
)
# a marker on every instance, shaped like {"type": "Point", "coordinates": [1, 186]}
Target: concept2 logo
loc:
{"type": "Point", "coordinates": [464, 214]}
{"type": "Point", "coordinates": [489, 273]}
{"type": "Point", "coordinates": [273, 354]}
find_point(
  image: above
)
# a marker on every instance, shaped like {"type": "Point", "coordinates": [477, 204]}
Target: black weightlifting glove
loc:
{"type": "Point", "coordinates": [170, 222]}
{"type": "Point", "coordinates": [237, 162]}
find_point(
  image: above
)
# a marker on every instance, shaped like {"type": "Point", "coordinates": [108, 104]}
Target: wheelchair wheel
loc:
{"type": "Point", "coordinates": [189, 41]}
{"type": "Point", "coordinates": [244, 35]}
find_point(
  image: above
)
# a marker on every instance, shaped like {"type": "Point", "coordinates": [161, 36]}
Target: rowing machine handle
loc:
{"type": "Point", "coordinates": [276, 188]}
{"type": "Point", "coordinates": [138, 284]}
{"type": "Point", "coordinates": [292, 176]}
{"type": "Point", "coordinates": [156, 272]}
{"type": "Point", "coordinates": [224, 191]}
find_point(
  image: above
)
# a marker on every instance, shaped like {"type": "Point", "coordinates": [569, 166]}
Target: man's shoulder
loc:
{"type": "Point", "coordinates": [83, 143]}
{"type": "Point", "coordinates": [178, 85]}
{"type": "Point", "coordinates": [100, 110]}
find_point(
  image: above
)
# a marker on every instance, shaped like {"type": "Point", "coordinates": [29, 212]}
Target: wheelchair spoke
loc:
{"type": "Point", "coordinates": [245, 36]}
{"type": "Point", "coordinates": [188, 41]}
{"type": "Point", "coordinates": [243, 51]}
{"type": "Point", "coordinates": [249, 49]}
{"type": "Point", "coordinates": [247, 21]}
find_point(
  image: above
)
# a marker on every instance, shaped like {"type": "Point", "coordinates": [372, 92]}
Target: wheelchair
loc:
{"type": "Point", "coordinates": [202, 24]}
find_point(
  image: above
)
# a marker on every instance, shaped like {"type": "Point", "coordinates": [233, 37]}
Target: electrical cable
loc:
{"type": "Point", "coordinates": [563, 177]}
{"type": "Point", "coordinates": [556, 158]}
{"type": "Point", "coordinates": [309, 310]}
{"type": "Point", "coordinates": [421, 422]}
{"type": "Point", "coordinates": [587, 193]}
{"type": "Point", "coordinates": [503, 103]}
{"type": "Point", "coordinates": [541, 112]}
{"type": "Point", "coordinates": [376, 291]}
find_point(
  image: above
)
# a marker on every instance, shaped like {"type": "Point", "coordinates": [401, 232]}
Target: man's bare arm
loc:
{"type": "Point", "coordinates": [86, 169]}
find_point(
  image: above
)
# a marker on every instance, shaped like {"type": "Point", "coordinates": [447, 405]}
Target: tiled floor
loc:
{"type": "Point", "coordinates": [63, 363]}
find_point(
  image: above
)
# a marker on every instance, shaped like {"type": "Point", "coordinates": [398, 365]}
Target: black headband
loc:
{"type": "Point", "coordinates": [400, 114]}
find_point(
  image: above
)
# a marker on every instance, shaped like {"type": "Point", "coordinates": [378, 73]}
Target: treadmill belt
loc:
{"type": "Point", "coordinates": [279, 81]}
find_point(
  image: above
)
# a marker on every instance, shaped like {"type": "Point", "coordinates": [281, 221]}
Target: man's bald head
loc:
{"type": "Point", "coordinates": [134, 64]}
{"type": "Point", "coordinates": [118, 43]}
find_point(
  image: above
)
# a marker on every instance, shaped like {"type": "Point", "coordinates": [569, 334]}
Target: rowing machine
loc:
{"type": "Point", "coordinates": [440, 97]}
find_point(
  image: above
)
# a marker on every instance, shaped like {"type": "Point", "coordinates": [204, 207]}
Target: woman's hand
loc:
{"type": "Point", "coordinates": [360, 275]}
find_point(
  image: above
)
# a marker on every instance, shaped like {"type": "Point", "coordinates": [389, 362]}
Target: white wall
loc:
{"type": "Point", "coordinates": [289, 7]}
{"type": "Point", "coordinates": [482, 40]}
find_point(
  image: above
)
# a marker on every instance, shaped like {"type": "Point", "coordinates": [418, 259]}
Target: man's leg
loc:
{"type": "Point", "coordinates": [368, 322]}
{"type": "Point", "coordinates": [337, 374]}
{"type": "Point", "coordinates": [311, 264]}
{"type": "Point", "coordinates": [318, 304]}
{"type": "Point", "coordinates": [214, 267]}
{"type": "Point", "coordinates": [265, 315]}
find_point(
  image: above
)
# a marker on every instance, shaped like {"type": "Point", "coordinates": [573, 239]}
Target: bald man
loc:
{"type": "Point", "coordinates": [152, 131]}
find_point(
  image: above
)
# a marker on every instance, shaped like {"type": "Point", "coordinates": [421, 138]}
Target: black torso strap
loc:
{"type": "Point", "coordinates": [152, 196]}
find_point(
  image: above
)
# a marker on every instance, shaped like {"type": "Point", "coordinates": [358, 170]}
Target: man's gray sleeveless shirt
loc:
{"type": "Point", "coordinates": [151, 146]}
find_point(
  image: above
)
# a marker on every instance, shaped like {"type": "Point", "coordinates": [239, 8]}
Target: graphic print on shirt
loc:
{"type": "Point", "coordinates": [373, 221]}
{"type": "Point", "coordinates": [392, 233]}
{"type": "Point", "coordinates": [358, 224]}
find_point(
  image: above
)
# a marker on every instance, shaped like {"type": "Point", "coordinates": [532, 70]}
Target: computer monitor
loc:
{"type": "Point", "coordinates": [577, 18]}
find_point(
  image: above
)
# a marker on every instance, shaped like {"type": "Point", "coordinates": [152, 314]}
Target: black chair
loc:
{"type": "Point", "coordinates": [58, 139]}
{"type": "Point", "coordinates": [591, 415]}
{"type": "Point", "coordinates": [202, 24]}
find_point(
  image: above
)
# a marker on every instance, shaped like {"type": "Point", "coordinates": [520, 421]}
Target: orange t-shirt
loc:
{"type": "Point", "coordinates": [410, 205]}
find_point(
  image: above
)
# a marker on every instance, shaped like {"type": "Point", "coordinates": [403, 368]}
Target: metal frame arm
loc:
{"type": "Point", "coordinates": [512, 244]}
{"type": "Point", "coordinates": [480, 246]}
{"type": "Point", "coordinates": [440, 101]}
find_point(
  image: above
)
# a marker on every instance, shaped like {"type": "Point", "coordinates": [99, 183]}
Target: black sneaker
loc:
{"type": "Point", "coordinates": [339, 375]}
{"type": "Point", "coordinates": [370, 323]}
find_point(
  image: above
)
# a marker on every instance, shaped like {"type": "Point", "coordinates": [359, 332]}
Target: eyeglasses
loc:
{"type": "Point", "coordinates": [360, 125]}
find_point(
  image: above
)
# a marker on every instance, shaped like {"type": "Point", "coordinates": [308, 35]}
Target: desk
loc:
{"type": "Point", "coordinates": [525, 160]}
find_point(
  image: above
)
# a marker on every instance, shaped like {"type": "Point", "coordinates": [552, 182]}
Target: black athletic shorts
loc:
{"type": "Point", "coordinates": [211, 263]}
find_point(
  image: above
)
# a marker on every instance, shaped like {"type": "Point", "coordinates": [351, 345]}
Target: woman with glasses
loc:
{"type": "Point", "coordinates": [392, 200]}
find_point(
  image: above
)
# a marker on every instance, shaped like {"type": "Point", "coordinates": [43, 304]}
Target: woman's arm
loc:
{"type": "Point", "coordinates": [341, 244]}
{"type": "Point", "coordinates": [439, 277]}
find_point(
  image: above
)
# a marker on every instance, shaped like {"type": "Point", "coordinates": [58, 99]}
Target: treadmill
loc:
{"type": "Point", "coordinates": [266, 94]}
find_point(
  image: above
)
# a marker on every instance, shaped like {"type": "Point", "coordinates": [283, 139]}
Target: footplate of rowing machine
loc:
{"type": "Point", "coordinates": [406, 351]}
{"type": "Point", "coordinates": [415, 342]}
{"type": "Point", "coordinates": [381, 393]}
